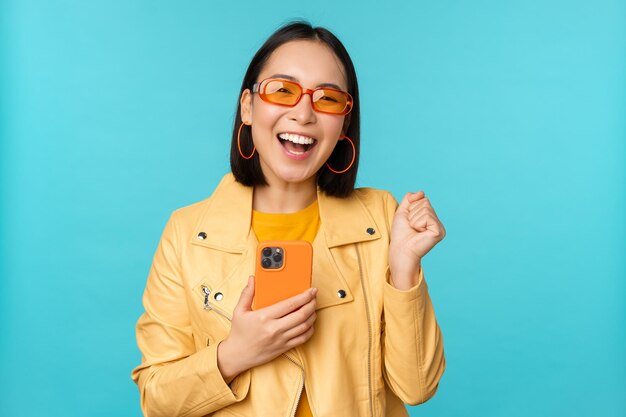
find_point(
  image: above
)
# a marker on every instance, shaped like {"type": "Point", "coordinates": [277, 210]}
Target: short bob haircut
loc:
{"type": "Point", "coordinates": [248, 172]}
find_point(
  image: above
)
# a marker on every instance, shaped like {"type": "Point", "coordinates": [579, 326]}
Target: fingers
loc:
{"type": "Point", "coordinates": [418, 211]}
{"type": "Point", "coordinates": [282, 308]}
{"type": "Point", "coordinates": [422, 217]}
{"type": "Point", "coordinates": [270, 331]}
{"type": "Point", "coordinates": [300, 327]}
{"type": "Point", "coordinates": [294, 327]}
{"type": "Point", "coordinates": [423, 222]}
{"type": "Point", "coordinates": [297, 317]}
{"type": "Point", "coordinates": [421, 208]}
{"type": "Point", "coordinates": [246, 297]}
{"type": "Point", "coordinates": [430, 222]}
{"type": "Point", "coordinates": [422, 202]}
{"type": "Point", "coordinates": [300, 339]}
{"type": "Point", "coordinates": [410, 198]}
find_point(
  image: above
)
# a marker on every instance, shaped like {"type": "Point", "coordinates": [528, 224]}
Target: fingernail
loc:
{"type": "Point", "coordinates": [314, 291]}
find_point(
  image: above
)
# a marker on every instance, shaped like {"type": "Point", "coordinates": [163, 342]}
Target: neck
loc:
{"type": "Point", "coordinates": [284, 198]}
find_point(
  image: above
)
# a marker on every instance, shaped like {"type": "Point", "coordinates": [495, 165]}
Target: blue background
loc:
{"type": "Point", "coordinates": [510, 115]}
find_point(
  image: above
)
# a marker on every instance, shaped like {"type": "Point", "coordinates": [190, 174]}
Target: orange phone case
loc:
{"type": "Point", "coordinates": [292, 278]}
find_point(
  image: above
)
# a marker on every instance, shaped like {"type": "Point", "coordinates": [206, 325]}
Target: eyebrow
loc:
{"type": "Point", "coordinates": [289, 77]}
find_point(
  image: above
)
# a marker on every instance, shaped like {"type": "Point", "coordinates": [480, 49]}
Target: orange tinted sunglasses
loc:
{"type": "Point", "coordinates": [288, 93]}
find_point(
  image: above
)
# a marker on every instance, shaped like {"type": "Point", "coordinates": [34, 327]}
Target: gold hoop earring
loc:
{"type": "Point", "coordinates": [351, 162]}
{"type": "Point", "coordinates": [239, 144]}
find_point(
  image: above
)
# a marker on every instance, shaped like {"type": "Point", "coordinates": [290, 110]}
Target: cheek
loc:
{"type": "Point", "coordinates": [264, 119]}
{"type": "Point", "coordinates": [333, 126]}
{"type": "Point", "coordinates": [266, 114]}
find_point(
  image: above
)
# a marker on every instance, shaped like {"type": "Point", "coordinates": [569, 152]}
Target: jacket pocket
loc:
{"type": "Point", "coordinates": [202, 339]}
{"type": "Point", "coordinates": [212, 322]}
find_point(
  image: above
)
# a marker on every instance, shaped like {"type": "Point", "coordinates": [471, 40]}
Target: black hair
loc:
{"type": "Point", "coordinates": [248, 171]}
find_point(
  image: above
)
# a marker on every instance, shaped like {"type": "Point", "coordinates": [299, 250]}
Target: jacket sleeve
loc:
{"type": "Point", "coordinates": [174, 379]}
{"type": "Point", "coordinates": [413, 356]}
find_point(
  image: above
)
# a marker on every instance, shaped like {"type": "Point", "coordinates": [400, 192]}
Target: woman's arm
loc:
{"type": "Point", "coordinates": [174, 379]}
{"type": "Point", "coordinates": [413, 353]}
{"type": "Point", "coordinates": [412, 341]}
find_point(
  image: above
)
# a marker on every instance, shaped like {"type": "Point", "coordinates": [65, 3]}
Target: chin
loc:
{"type": "Point", "coordinates": [295, 176]}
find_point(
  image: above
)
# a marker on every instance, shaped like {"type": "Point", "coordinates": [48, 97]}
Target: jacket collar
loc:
{"type": "Point", "coordinates": [226, 221]}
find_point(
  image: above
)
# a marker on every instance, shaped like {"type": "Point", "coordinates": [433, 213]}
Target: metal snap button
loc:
{"type": "Point", "coordinates": [218, 296]}
{"type": "Point", "coordinates": [370, 230]}
{"type": "Point", "coordinates": [341, 294]}
{"type": "Point", "coordinates": [201, 235]}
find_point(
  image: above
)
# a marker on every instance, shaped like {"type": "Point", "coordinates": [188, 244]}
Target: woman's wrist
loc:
{"type": "Point", "coordinates": [405, 280]}
{"type": "Point", "coordinates": [228, 367]}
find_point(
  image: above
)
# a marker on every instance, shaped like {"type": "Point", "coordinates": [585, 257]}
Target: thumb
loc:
{"type": "Point", "coordinates": [247, 295]}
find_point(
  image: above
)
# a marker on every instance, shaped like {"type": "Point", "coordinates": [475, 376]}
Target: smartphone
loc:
{"type": "Point", "coordinates": [283, 269]}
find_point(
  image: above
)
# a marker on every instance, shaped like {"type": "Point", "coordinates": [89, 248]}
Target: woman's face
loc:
{"type": "Point", "coordinates": [310, 64]}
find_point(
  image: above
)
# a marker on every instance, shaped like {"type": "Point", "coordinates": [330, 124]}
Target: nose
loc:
{"type": "Point", "coordinates": [303, 111]}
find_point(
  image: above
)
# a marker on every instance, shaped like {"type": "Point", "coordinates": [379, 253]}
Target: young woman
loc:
{"type": "Point", "coordinates": [361, 342]}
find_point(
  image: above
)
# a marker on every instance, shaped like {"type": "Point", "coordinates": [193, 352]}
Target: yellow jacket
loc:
{"type": "Point", "coordinates": [374, 346]}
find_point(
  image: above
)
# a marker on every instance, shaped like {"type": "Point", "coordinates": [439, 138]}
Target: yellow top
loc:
{"type": "Point", "coordinates": [301, 225]}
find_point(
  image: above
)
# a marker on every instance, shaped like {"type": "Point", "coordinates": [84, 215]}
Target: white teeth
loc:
{"type": "Point", "coordinates": [304, 140]}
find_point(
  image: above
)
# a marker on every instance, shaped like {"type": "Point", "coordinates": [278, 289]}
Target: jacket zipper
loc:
{"type": "Point", "coordinates": [206, 292]}
{"type": "Point", "coordinates": [295, 409]}
{"type": "Point", "coordinates": [209, 306]}
{"type": "Point", "coordinates": [369, 334]}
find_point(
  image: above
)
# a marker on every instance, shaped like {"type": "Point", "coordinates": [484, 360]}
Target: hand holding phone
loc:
{"type": "Point", "coordinates": [282, 288]}
{"type": "Point", "coordinates": [256, 337]}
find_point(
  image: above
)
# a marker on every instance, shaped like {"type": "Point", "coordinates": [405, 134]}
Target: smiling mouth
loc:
{"type": "Point", "coordinates": [296, 144]}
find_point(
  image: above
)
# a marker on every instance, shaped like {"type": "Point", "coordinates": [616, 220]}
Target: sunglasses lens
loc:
{"type": "Point", "coordinates": [330, 101]}
{"type": "Point", "coordinates": [288, 93]}
{"type": "Point", "coordinates": [282, 92]}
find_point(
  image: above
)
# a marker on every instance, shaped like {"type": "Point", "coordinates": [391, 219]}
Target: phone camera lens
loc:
{"type": "Point", "coordinates": [267, 252]}
{"type": "Point", "coordinates": [277, 257]}
{"type": "Point", "coordinates": [266, 262]}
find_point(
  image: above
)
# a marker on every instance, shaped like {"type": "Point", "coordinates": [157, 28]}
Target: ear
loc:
{"type": "Point", "coordinates": [246, 106]}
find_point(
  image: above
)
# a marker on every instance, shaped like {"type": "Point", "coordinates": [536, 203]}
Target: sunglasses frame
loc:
{"type": "Point", "coordinates": [256, 88]}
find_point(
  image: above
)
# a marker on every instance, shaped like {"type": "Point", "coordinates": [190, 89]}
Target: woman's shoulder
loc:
{"type": "Point", "coordinates": [370, 192]}
{"type": "Point", "coordinates": [227, 189]}
{"type": "Point", "coordinates": [381, 204]}
{"type": "Point", "coordinates": [194, 209]}
{"type": "Point", "coordinates": [373, 197]}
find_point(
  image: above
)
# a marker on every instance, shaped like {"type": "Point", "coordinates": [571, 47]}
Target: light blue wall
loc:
{"type": "Point", "coordinates": [510, 115]}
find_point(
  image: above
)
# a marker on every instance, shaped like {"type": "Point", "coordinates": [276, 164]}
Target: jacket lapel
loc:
{"type": "Point", "coordinates": [226, 220]}
{"type": "Point", "coordinates": [344, 221]}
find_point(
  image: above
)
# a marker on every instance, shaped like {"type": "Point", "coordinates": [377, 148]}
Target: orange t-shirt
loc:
{"type": "Point", "coordinates": [301, 225]}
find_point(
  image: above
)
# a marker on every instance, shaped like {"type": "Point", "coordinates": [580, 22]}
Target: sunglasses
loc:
{"type": "Point", "coordinates": [288, 93]}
